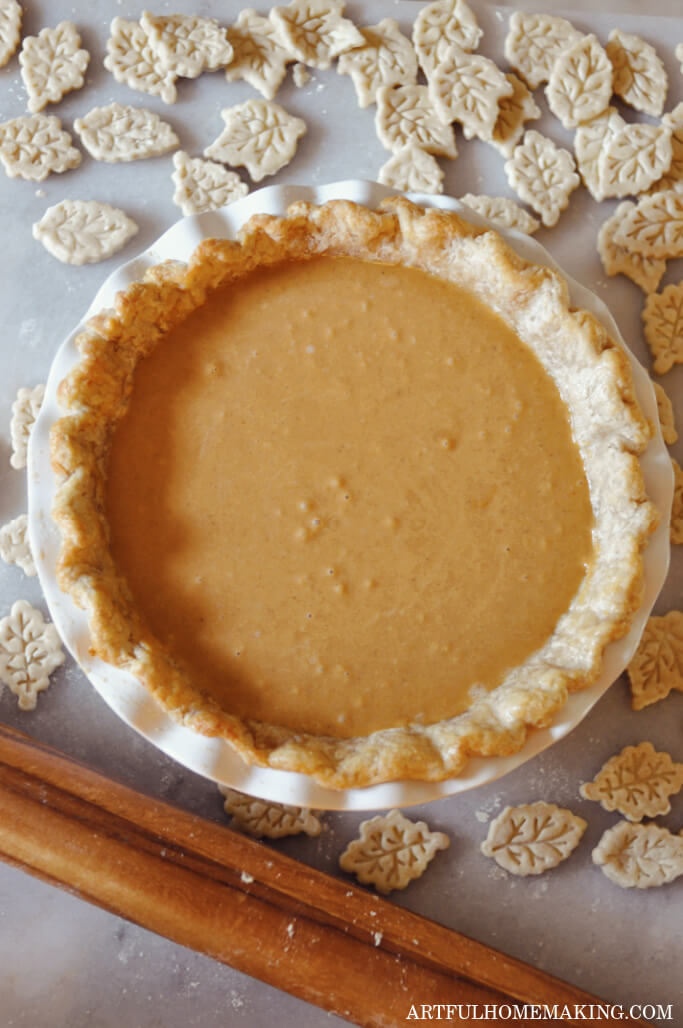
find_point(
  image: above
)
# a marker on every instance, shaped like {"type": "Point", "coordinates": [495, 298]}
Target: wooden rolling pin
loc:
{"type": "Point", "coordinates": [205, 886]}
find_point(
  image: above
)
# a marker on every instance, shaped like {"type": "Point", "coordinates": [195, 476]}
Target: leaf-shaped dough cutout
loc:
{"type": "Point", "coordinates": [52, 64]}
{"type": "Point", "coordinates": [258, 134]}
{"type": "Point", "coordinates": [122, 133]}
{"type": "Point", "coordinates": [314, 31]}
{"type": "Point", "coordinates": [676, 528]}
{"type": "Point", "coordinates": [639, 856]}
{"type": "Point", "coordinates": [673, 179]}
{"type": "Point", "coordinates": [657, 665]}
{"type": "Point", "coordinates": [533, 838]}
{"type": "Point", "coordinates": [24, 412]}
{"type": "Point", "coordinates": [639, 76]}
{"type": "Point", "coordinates": [34, 146]}
{"type": "Point", "coordinates": [654, 227]}
{"type": "Point", "coordinates": [646, 272]}
{"type": "Point", "coordinates": [589, 142]}
{"type": "Point", "coordinates": [14, 545]}
{"type": "Point", "coordinates": [131, 60]}
{"type": "Point", "coordinates": [186, 44]}
{"type": "Point", "coordinates": [502, 212]}
{"type": "Point", "coordinates": [83, 231]}
{"type": "Point", "coordinates": [258, 57]}
{"type": "Point", "coordinates": [513, 113]}
{"type": "Point", "coordinates": [267, 820]}
{"type": "Point", "coordinates": [30, 650]}
{"type": "Point", "coordinates": [439, 26]}
{"type": "Point", "coordinates": [543, 175]}
{"type": "Point", "coordinates": [204, 185]}
{"type": "Point", "coordinates": [535, 41]}
{"type": "Point", "coordinates": [663, 324]}
{"type": "Point", "coordinates": [637, 782]}
{"type": "Point", "coordinates": [633, 158]}
{"type": "Point", "coordinates": [667, 418]}
{"type": "Point", "coordinates": [386, 59]}
{"type": "Point", "coordinates": [467, 88]}
{"type": "Point", "coordinates": [10, 29]}
{"type": "Point", "coordinates": [391, 851]}
{"type": "Point", "coordinates": [412, 170]}
{"type": "Point", "coordinates": [580, 84]}
{"type": "Point", "coordinates": [406, 114]}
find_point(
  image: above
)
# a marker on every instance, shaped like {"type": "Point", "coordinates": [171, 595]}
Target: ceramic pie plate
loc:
{"type": "Point", "coordinates": [215, 758]}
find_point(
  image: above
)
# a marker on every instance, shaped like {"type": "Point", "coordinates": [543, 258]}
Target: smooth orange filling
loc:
{"type": "Point", "coordinates": [346, 497]}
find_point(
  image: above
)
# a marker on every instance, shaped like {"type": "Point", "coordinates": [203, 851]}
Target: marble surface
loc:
{"type": "Point", "coordinates": [65, 964]}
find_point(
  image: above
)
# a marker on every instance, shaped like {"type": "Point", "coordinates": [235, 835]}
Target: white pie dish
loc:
{"type": "Point", "coordinates": [215, 758]}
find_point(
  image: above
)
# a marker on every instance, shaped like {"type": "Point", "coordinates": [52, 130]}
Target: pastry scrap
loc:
{"type": "Point", "coordinates": [503, 212]}
{"type": "Point", "coordinates": [185, 44]}
{"type": "Point", "coordinates": [633, 158]}
{"type": "Point", "coordinates": [391, 851]}
{"type": "Point", "coordinates": [543, 175]}
{"type": "Point", "coordinates": [34, 146]}
{"type": "Point", "coordinates": [535, 41]}
{"type": "Point", "coordinates": [440, 25]}
{"type": "Point", "coordinates": [10, 29]}
{"type": "Point", "coordinates": [533, 838]}
{"type": "Point", "coordinates": [387, 58]}
{"type": "Point", "coordinates": [131, 60]}
{"type": "Point", "coordinates": [412, 170]}
{"type": "Point", "coordinates": [122, 133]}
{"type": "Point", "coordinates": [646, 272]}
{"type": "Point", "coordinates": [314, 31]}
{"type": "Point", "coordinates": [665, 410]}
{"type": "Point", "coordinates": [204, 185]}
{"type": "Point", "coordinates": [14, 545]}
{"type": "Point", "coordinates": [468, 88]}
{"type": "Point", "coordinates": [83, 231]}
{"type": "Point", "coordinates": [590, 139]}
{"type": "Point", "coordinates": [637, 856]}
{"type": "Point", "coordinates": [673, 179]}
{"type": "Point", "coordinates": [676, 530]}
{"type": "Point", "coordinates": [267, 820]}
{"type": "Point", "coordinates": [52, 64]}
{"type": "Point", "coordinates": [258, 134]}
{"type": "Point", "coordinates": [663, 326]}
{"type": "Point", "coordinates": [513, 113]}
{"type": "Point", "coordinates": [405, 115]}
{"type": "Point", "coordinates": [580, 83]}
{"type": "Point", "coordinates": [654, 228]}
{"type": "Point", "coordinates": [637, 782]}
{"type": "Point", "coordinates": [300, 75]}
{"type": "Point", "coordinates": [657, 665]}
{"type": "Point", "coordinates": [639, 76]}
{"type": "Point", "coordinates": [30, 650]}
{"type": "Point", "coordinates": [258, 57]}
{"type": "Point", "coordinates": [24, 412]}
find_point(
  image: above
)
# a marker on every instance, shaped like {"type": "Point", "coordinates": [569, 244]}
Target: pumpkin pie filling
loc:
{"type": "Point", "coordinates": [346, 497]}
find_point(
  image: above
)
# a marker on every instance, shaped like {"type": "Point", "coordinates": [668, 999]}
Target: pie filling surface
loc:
{"type": "Point", "coordinates": [346, 497]}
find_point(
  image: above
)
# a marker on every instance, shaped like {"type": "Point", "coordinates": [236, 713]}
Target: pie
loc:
{"type": "Point", "coordinates": [358, 492]}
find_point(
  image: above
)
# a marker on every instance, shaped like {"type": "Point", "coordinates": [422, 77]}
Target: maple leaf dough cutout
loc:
{"type": "Point", "coordinates": [513, 112]}
{"type": "Point", "coordinates": [636, 782]}
{"type": "Point", "coordinates": [34, 146]}
{"type": "Point", "coordinates": [633, 158]}
{"type": "Point", "coordinates": [314, 31]}
{"type": "Point", "coordinates": [412, 170]}
{"type": "Point", "coordinates": [639, 76]}
{"type": "Point", "coordinates": [468, 88]}
{"type": "Point", "coordinates": [204, 185]}
{"type": "Point", "coordinates": [30, 650]}
{"type": "Point", "coordinates": [387, 58]}
{"type": "Point", "coordinates": [270, 820]}
{"type": "Point", "coordinates": [10, 29]}
{"type": "Point", "coordinates": [663, 325]}
{"type": "Point", "coordinates": [391, 851]}
{"type": "Point", "coordinates": [676, 530]}
{"type": "Point", "coordinates": [589, 142]}
{"type": "Point", "coordinates": [406, 114]}
{"type": "Point", "coordinates": [52, 64]}
{"type": "Point", "coordinates": [654, 227]}
{"type": "Point", "coordinates": [14, 545]}
{"type": "Point", "coordinates": [533, 838]}
{"type": "Point", "coordinates": [186, 44]}
{"type": "Point", "coordinates": [673, 179]}
{"type": "Point", "coordinates": [637, 856]}
{"type": "Point", "coordinates": [258, 56]}
{"type": "Point", "coordinates": [665, 410]}
{"type": "Point", "coordinates": [258, 134]}
{"type": "Point", "coordinates": [657, 665]}
{"type": "Point", "coordinates": [580, 83]}
{"type": "Point", "coordinates": [132, 61]}
{"type": "Point", "coordinates": [543, 175]}
{"type": "Point", "coordinates": [83, 231]}
{"type": "Point", "coordinates": [535, 41]}
{"type": "Point", "coordinates": [502, 212]}
{"type": "Point", "coordinates": [24, 412]}
{"type": "Point", "coordinates": [122, 133]}
{"type": "Point", "coordinates": [441, 25]}
{"type": "Point", "coordinates": [646, 272]}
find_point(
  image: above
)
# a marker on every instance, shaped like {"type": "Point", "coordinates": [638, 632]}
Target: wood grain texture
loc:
{"type": "Point", "coordinates": [226, 895]}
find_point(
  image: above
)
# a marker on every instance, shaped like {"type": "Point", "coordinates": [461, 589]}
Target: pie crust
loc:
{"type": "Point", "coordinates": [593, 377]}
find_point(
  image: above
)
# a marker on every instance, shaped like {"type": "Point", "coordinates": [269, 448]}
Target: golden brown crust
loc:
{"type": "Point", "coordinates": [593, 376]}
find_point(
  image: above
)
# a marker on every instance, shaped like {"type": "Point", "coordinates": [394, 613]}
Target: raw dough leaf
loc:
{"type": "Point", "coordinates": [52, 64]}
{"type": "Point", "coordinates": [639, 856]}
{"type": "Point", "coordinates": [258, 57]}
{"type": "Point", "coordinates": [543, 175]}
{"type": "Point", "coordinates": [533, 838]}
{"type": "Point", "coordinates": [639, 76]}
{"type": "Point", "coordinates": [270, 820]}
{"type": "Point", "coordinates": [633, 158]}
{"type": "Point", "coordinates": [24, 412]}
{"type": "Point", "coordinates": [14, 545]}
{"type": "Point", "coordinates": [391, 851]}
{"type": "Point", "coordinates": [121, 133]}
{"type": "Point", "coordinates": [10, 29]}
{"type": "Point", "coordinates": [30, 650]}
{"type": "Point", "coordinates": [386, 59]}
{"type": "Point", "coordinates": [314, 31]}
{"type": "Point", "coordinates": [34, 146]}
{"type": "Point", "coordinates": [667, 419]}
{"type": "Point", "coordinates": [258, 134]}
{"type": "Point", "coordinates": [186, 44]}
{"type": "Point", "coordinates": [467, 88]}
{"type": "Point", "coordinates": [654, 228]}
{"type": "Point", "coordinates": [589, 142]}
{"type": "Point", "coordinates": [646, 272]}
{"type": "Point", "coordinates": [83, 231]}
{"type": "Point", "coordinates": [677, 509]}
{"type": "Point", "coordinates": [580, 84]}
{"type": "Point", "coordinates": [637, 782]}
{"type": "Point", "coordinates": [673, 179]}
{"type": "Point", "coordinates": [439, 26]}
{"type": "Point", "coordinates": [535, 41]}
{"type": "Point", "coordinates": [406, 114]}
{"type": "Point", "coordinates": [663, 322]}
{"type": "Point", "coordinates": [204, 185]}
{"type": "Point", "coordinates": [657, 665]}
{"type": "Point", "coordinates": [412, 170]}
{"type": "Point", "coordinates": [502, 212]}
{"type": "Point", "coordinates": [131, 60]}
